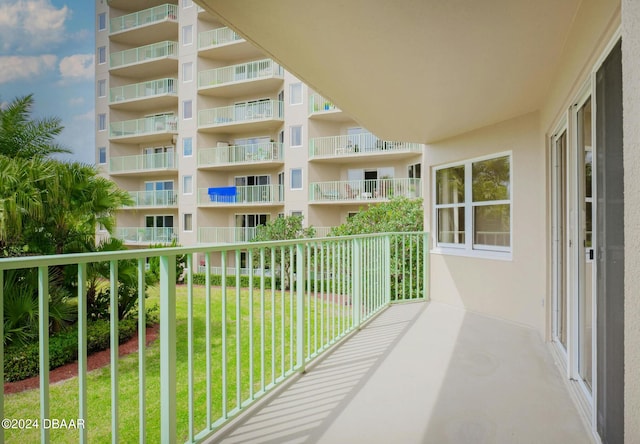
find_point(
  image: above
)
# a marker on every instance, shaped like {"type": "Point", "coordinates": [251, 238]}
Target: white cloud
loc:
{"type": "Point", "coordinates": [31, 24]}
{"type": "Point", "coordinates": [88, 116]}
{"type": "Point", "coordinates": [25, 67]}
{"type": "Point", "coordinates": [75, 101]}
{"type": "Point", "coordinates": [77, 67]}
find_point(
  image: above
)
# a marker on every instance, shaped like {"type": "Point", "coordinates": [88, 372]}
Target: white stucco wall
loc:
{"type": "Point", "coordinates": [631, 106]}
{"type": "Point", "coordinates": [510, 289]}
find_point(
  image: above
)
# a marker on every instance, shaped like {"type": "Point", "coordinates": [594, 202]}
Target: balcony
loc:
{"type": "Point", "coordinates": [156, 94]}
{"type": "Point", "coordinates": [154, 60]}
{"type": "Point", "coordinates": [225, 44]}
{"type": "Point", "coordinates": [143, 130]}
{"type": "Point", "coordinates": [321, 108]}
{"type": "Point", "coordinates": [363, 191]}
{"type": "Point", "coordinates": [143, 164]}
{"type": "Point", "coordinates": [153, 199]}
{"type": "Point", "coordinates": [147, 26]}
{"type": "Point", "coordinates": [442, 374]}
{"type": "Point", "coordinates": [226, 235]}
{"type": "Point", "coordinates": [245, 79]}
{"type": "Point", "coordinates": [236, 157]}
{"type": "Point", "coordinates": [249, 195]}
{"type": "Point", "coordinates": [145, 236]}
{"type": "Point", "coordinates": [255, 116]}
{"type": "Point", "coordinates": [357, 147]}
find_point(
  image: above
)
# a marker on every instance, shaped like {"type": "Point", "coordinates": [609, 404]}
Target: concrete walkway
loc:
{"type": "Point", "coordinates": [424, 373]}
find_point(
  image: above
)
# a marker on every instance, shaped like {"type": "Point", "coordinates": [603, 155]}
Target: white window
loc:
{"type": "Point", "coordinates": [187, 147]}
{"type": "Point", "coordinates": [187, 35]}
{"type": "Point", "coordinates": [295, 93]}
{"type": "Point", "coordinates": [102, 55]}
{"type": "Point", "coordinates": [102, 122]}
{"type": "Point", "coordinates": [187, 109]}
{"type": "Point", "coordinates": [187, 222]}
{"type": "Point", "coordinates": [102, 21]}
{"type": "Point", "coordinates": [187, 72]}
{"type": "Point", "coordinates": [296, 179]}
{"type": "Point", "coordinates": [473, 205]}
{"type": "Point", "coordinates": [296, 213]}
{"type": "Point", "coordinates": [296, 136]}
{"type": "Point", "coordinates": [187, 184]}
{"type": "Point", "coordinates": [102, 155]}
{"type": "Point", "coordinates": [102, 88]}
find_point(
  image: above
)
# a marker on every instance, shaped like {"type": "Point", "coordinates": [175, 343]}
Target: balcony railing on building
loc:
{"type": "Point", "coordinates": [161, 50]}
{"type": "Point", "coordinates": [226, 235]}
{"type": "Point", "coordinates": [146, 126]}
{"type": "Point", "coordinates": [357, 145]}
{"type": "Point", "coordinates": [144, 90]}
{"type": "Point", "coordinates": [143, 163]}
{"type": "Point", "coordinates": [146, 235]}
{"type": "Point", "coordinates": [241, 154]}
{"type": "Point", "coordinates": [241, 73]}
{"type": "Point", "coordinates": [146, 17]}
{"type": "Point", "coordinates": [318, 104]}
{"type": "Point", "coordinates": [156, 198]}
{"type": "Point", "coordinates": [364, 190]}
{"type": "Point", "coordinates": [241, 113]}
{"type": "Point", "coordinates": [241, 195]}
{"type": "Point", "coordinates": [218, 37]}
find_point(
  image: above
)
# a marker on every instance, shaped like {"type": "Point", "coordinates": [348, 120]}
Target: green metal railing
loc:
{"type": "Point", "coordinates": [143, 18]}
{"type": "Point", "coordinates": [144, 90]}
{"type": "Point", "coordinates": [225, 155]}
{"type": "Point", "coordinates": [241, 113]}
{"type": "Point", "coordinates": [259, 69]}
{"type": "Point", "coordinates": [318, 104]}
{"type": "Point", "coordinates": [357, 144]}
{"type": "Point", "coordinates": [301, 297]}
{"type": "Point", "coordinates": [217, 37]}
{"type": "Point", "coordinates": [141, 54]}
{"type": "Point", "coordinates": [144, 126]}
{"type": "Point", "coordinates": [158, 198]}
{"type": "Point", "coordinates": [369, 189]}
{"type": "Point", "coordinates": [145, 235]}
{"type": "Point", "coordinates": [143, 162]}
{"type": "Point", "coordinates": [248, 194]}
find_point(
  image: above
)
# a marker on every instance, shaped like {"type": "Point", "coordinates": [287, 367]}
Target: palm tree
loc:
{"type": "Point", "coordinates": [22, 136]}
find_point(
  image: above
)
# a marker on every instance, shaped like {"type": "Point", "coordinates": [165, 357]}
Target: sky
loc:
{"type": "Point", "coordinates": [47, 49]}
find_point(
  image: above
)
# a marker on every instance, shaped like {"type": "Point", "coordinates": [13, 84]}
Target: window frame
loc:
{"type": "Point", "coordinates": [102, 55]}
{"type": "Point", "coordinates": [102, 122]}
{"type": "Point", "coordinates": [469, 248]}
{"type": "Point", "coordinates": [187, 35]}
{"type": "Point", "coordinates": [102, 88]}
{"type": "Point", "coordinates": [187, 178]}
{"type": "Point", "coordinates": [102, 21]}
{"type": "Point", "coordinates": [186, 216]}
{"type": "Point", "coordinates": [184, 145]}
{"type": "Point", "coordinates": [292, 95]}
{"type": "Point", "coordinates": [187, 105]}
{"type": "Point", "coordinates": [291, 128]}
{"type": "Point", "coordinates": [187, 72]}
{"type": "Point", "coordinates": [291, 171]}
{"type": "Point", "coordinates": [102, 153]}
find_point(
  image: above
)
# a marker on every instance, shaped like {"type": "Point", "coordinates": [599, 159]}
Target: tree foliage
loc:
{"type": "Point", "coordinates": [399, 214]}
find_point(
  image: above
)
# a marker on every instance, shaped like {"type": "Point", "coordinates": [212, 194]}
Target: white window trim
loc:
{"type": "Point", "coordinates": [291, 136]}
{"type": "Point", "coordinates": [105, 55]}
{"type": "Point", "coordinates": [291, 179]}
{"type": "Point", "coordinates": [184, 108]}
{"type": "Point", "coordinates": [187, 155]}
{"type": "Point", "coordinates": [468, 249]}
{"type": "Point", "coordinates": [103, 14]}
{"type": "Point", "coordinates": [184, 42]}
{"type": "Point", "coordinates": [291, 102]}
{"type": "Point", "coordinates": [100, 150]}
{"type": "Point", "coordinates": [105, 122]}
{"type": "Point", "coordinates": [184, 228]}
{"type": "Point", "coordinates": [184, 190]}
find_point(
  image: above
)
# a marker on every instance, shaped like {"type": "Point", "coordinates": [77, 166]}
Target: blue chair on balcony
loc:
{"type": "Point", "coordinates": [222, 194]}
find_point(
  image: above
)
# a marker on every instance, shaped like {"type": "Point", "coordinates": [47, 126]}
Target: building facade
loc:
{"type": "Point", "coordinates": [212, 139]}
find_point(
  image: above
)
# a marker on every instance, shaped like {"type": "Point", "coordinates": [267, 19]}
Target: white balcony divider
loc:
{"type": "Point", "coordinates": [260, 69]}
{"type": "Point", "coordinates": [163, 198]}
{"type": "Point", "coordinates": [241, 113]}
{"type": "Point", "coordinates": [143, 162]}
{"type": "Point", "coordinates": [143, 18]}
{"type": "Point", "coordinates": [217, 37]}
{"type": "Point", "coordinates": [144, 126]}
{"type": "Point", "coordinates": [222, 235]}
{"type": "Point", "coordinates": [243, 195]}
{"type": "Point", "coordinates": [370, 189]}
{"type": "Point", "coordinates": [318, 104]}
{"type": "Point", "coordinates": [144, 90]}
{"type": "Point", "coordinates": [322, 231]}
{"type": "Point", "coordinates": [257, 152]}
{"type": "Point", "coordinates": [143, 54]}
{"type": "Point", "coordinates": [357, 144]}
{"type": "Point", "coordinates": [145, 235]}
{"type": "Point", "coordinates": [303, 296]}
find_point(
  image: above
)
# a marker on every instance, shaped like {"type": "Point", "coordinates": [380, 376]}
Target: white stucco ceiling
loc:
{"type": "Point", "coordinates": [415, 70]}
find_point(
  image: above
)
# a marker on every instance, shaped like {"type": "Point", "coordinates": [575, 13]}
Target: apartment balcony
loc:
{"type": "Point", "coordinates": [153, 60]}
{"type": "Point", "coordinates": [323, 109]}
{"type": "Point", "coordinates": [225, 44]}
{"type": "Point", "coordinates": [237, 157]}
{"type": "Point", "coordinates": [265, 115]}
{"type": "Point", "coordinates": [142, 130]}
{"type": "Point", "coordinates": [245, 79]}
{"type": "Point", "coordinates": [156, 94]}
{"type": "Point", "coordinates": [363, 191]}
{"type": "Point", "coordinates": [134, 5]}
{"type": "Point", "coordinates": [147, 26]}
{"type": "Point", "coordinates": [241, 196]}
{"type": "Point", "coordinates": [358, 147]}
{"type": "Point", "coordinates": [324, 345]}
{"type": "Point", "coordinates": [144, 164]}
{"type": "Point", "coordinates": [226, 235]}
{"type": "Point", "coordinates": [145, 236]}
{"type": "Point", "coordinates": [153, 199]}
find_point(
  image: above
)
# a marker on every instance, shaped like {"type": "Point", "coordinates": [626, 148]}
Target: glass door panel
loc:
{"type": "Point", "coordinates": [560, 253]}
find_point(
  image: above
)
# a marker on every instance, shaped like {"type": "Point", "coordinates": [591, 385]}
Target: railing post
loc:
{"type": "Point", "coordinates": [43, 327]}
{"type": "Point", "coordinates": [356, 275]}
{"type": "Point", "coordinates": [82, 348]}
{"type": "Point", "coordinates": [387, 268]}
{"type": "Point", "coordinates": [425, 266]}
{"type": "Point", "coordinates": [300, 339]}
{"type": "Point", "coordinates": [2, 351]}
{"type": "Point", "coordinates": [167, 348]}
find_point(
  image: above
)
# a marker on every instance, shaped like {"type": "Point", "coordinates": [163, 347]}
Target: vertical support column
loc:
{"type": "Point", "coordinates": [82, 349]}
{"type": "Point", "coordinates": [425, 266]}
{"type": "Point", "coordinates": [43, 330]}
{"type": "Point", "coordinates": [387, 268]}
{"type": "Point", "coordinates": [357, 282]}
{"type": "Point", "coordinates": [2, 351]}
{"type": "Point", "coordinates": [167, 348]}
{"type": "Point", "coordinates": [142, 342]}
{"type": "Point", "coordinates": [300, 361]}
{"type": "Point", "coordinates": [113, 322]}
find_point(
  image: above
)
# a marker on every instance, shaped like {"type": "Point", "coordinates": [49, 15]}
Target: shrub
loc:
{"type": "Point", "coordinates": [216, 280]}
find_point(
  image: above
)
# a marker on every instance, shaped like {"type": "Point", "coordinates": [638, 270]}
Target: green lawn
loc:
{"type": "Point", "coordinates": [64, 396]}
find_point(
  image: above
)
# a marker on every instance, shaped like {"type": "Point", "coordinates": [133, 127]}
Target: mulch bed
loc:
{"type": "Point", "coordinates": [94, 361]}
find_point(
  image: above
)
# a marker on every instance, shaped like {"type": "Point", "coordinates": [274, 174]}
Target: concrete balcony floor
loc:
{"type": "Point", "coordinates": [422, 373]}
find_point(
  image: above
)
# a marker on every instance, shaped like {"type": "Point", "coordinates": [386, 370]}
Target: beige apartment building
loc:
{"type": "Point", "coordinates": [212, 138]}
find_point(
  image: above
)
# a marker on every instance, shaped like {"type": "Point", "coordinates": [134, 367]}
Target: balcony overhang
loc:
{"type": "Point", "coordinates": [443, 67]}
